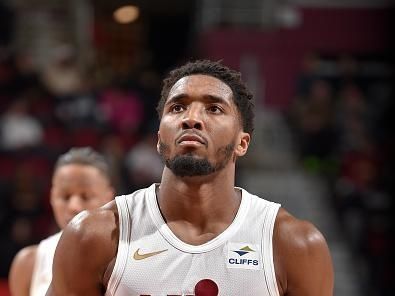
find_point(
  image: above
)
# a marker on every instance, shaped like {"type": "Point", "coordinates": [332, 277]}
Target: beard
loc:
{"type": "Point", "coordinates": [189, 165]}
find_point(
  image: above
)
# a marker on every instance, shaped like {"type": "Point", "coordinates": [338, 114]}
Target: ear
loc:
{"type": "Point", "coordinates": [158, 143]}
{"type": "Point", "coordinates": [243, 143]}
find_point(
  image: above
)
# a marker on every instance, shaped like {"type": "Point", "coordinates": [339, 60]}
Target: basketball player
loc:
{"type": "Point", "coordinates": [81, 180]}
{"type": "Point", "coordinates": [195, 233]}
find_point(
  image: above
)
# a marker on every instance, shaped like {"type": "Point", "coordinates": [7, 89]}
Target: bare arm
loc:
{"type": "Point", "coordinates": [21, 271]}
{"type": "Point", "coordinates": [87, 246]}
{"type": "Point", "coordinates": [302, 258]}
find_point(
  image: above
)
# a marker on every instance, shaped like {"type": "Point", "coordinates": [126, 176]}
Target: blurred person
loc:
{"type": "Point", "coordinates": [18, 129]}
{"type": "Point", "coordinates": [81, 181]}
{"type": "Point", "coordinates": [351, 118]}
{"type": "Point", "coordinates": [122, 109]}
{"type": "Point", "coordinates": [80, 108]}
{"type": "Point", "coordinates": [143, 163]}
{"type": "Point", "coordinates": [195, 233]}
{"type": "Point", "coordinates": [62, 75]}
{"type": "Point", "coordinates": [114, 151]}
{"type": "Point", "coordinates": [21, 210]}
{"type": "Point", "coordinates": [310, 67]}
{"type": "Point", "coordinates": [25, 203]}
{"type": "Point", "coordinates": [312, 117]}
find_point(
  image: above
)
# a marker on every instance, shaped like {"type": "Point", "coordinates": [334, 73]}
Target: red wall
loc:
{"type": "Point", "coordinates": [279, 52]}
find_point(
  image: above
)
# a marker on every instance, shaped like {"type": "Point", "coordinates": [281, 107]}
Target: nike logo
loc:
{"type": "Point", "coordinates": [137, 256]}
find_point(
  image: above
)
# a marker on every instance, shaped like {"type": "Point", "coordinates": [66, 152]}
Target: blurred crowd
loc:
{"type": "Point", "coordinates": [43, 114]}
{"type": "Point", "coordinates": [342, 120]}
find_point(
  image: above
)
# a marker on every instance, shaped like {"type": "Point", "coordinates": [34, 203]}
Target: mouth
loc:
{"type": "Point", "coordinates": [191, 139]}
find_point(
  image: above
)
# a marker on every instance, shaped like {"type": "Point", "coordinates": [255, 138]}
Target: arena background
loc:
{"type": "Point", "coordinates": [85, 73]}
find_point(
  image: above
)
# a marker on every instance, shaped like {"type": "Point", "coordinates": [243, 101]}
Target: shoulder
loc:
{"type": "Point", "coordinates": [296, 234]}
{"type": "Point", "coordinates": [22, 270]}
{"type": "Point", "coordinates": [26, 255]}
{"type": "Point", "coordinates": [301, 253]}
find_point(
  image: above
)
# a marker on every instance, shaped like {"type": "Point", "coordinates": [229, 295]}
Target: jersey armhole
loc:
{"type": "Point", "coordinates": [267, 244]}
{"type": "Point", "coordinates": [36, 268]}
{"type": "Point", "coordinates": [123, 245]}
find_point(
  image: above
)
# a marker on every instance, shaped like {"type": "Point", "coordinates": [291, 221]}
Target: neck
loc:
{"type": "Point", "coordinates": [206, 204]}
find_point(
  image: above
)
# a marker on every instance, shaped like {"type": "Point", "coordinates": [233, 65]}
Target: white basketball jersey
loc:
{"type": "Point", "coordinates": [42, 272]}
{"type": "Point", "coordinates": [151, 260]}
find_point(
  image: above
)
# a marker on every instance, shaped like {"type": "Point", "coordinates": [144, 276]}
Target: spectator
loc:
{"type": "Point", "coordinates": [18, 128]}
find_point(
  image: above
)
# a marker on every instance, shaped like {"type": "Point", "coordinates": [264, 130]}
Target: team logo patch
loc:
{"type": "Point", "coordinates": [244, 256]}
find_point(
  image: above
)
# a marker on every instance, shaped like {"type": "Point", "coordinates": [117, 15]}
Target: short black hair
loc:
{"type": "Point", "coordinates": [85, 156]}
{"type": "Point", "coordinates": [242, 97]}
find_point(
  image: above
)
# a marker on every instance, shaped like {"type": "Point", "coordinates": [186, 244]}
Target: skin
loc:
{"type": "Point", "coordinates": [75, 188]}
{"type": "Point", "coordinates": [193, 207]}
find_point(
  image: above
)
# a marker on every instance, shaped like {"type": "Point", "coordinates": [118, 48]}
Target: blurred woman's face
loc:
{"type": "Point", "coordinates": [78, 187]}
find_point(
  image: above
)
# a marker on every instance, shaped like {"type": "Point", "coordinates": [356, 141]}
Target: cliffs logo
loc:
{"type": "Point", "coordinates": [243, 255]}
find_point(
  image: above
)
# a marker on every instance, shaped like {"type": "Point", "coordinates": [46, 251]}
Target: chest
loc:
{"type": "Point", "coordinates": [152, 260]}
{"type": "Point", "coordinates": [156, 267]}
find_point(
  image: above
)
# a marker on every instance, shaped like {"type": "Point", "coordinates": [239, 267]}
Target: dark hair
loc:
{"type": "Point", "coordinates": [242, 97]}
{"type": "Point", "coordinates": [85, 156]}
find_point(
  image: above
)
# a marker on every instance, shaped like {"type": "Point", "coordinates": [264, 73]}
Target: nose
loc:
{"type": "Point", "coordinates": [193, 117]}
{"type": "Point", "coordinates": [75, 204]}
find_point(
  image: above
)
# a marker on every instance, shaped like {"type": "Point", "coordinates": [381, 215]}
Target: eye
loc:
{"type": "Point", "coordinates": [215, 109]}
{"type": "Point", "coordinates": [62, 197]}
{"type": "Point", "coordinates": [177, 108]}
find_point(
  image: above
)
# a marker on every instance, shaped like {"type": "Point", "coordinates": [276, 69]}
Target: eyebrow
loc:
{"type": "Point", "coordinates": [207, 98]}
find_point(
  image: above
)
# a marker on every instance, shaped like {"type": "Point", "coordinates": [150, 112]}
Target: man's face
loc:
{"type": "Point", "coordinates": [77, 187]}
{"type": "Point", "coordinates": [200, 129]}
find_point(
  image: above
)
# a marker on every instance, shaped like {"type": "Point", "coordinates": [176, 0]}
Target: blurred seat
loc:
{"type": "Point", "coordinates": [85, 137]}
{"type": "Point", "coordinates": [38, 165]}
{"type": "Point", "coordinates": [4, 290]}
{"type": "Point", "coordinates": [42, 109]}
{"type": "Point", "coordinates": [55, 138]}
